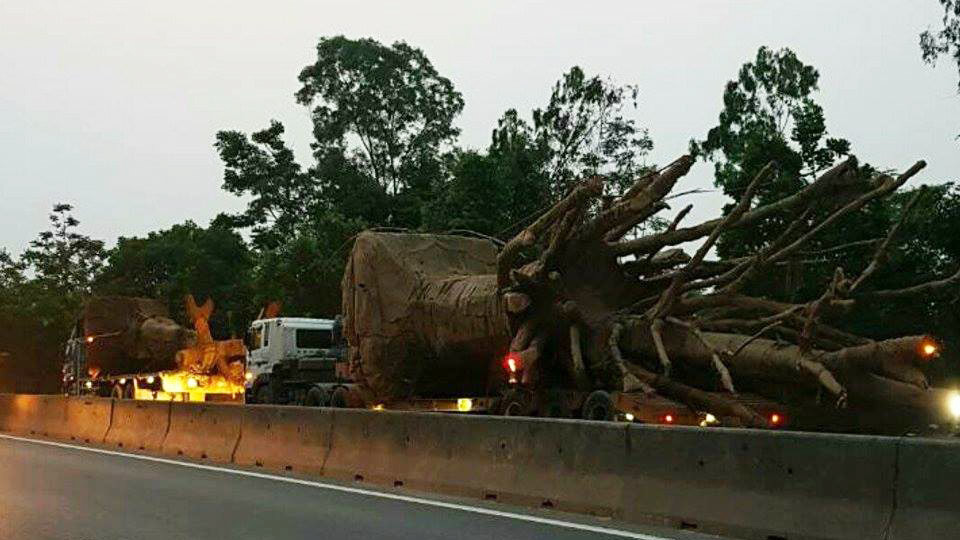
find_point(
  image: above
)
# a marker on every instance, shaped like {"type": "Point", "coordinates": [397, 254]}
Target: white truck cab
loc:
{"type": "Point", "coordinates": [271, 341]}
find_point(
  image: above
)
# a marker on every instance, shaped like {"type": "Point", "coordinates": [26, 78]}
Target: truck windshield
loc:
{"type": "Point", "coordinates": [255, 337]}
{"type": "Point", "coordinates": [314, 339]}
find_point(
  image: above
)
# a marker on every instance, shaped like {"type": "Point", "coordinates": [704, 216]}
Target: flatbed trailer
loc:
{"type": "Point", "coordinates": [163, 386]}
{"type": "Point", "coordinates": [299, 361]}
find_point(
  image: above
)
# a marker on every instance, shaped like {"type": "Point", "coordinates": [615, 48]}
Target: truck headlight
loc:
{"type": "Point", "coordinates": [191, 383]}
{"type": "Point", "coordinates": [953, 405]}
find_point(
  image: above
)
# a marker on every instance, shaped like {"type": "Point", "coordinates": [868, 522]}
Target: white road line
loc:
{"type": "Point", "coordinates": [359, 491]}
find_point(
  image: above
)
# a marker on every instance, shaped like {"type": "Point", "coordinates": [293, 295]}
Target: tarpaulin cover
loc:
{"type": "Point", "coordinates": [422, 314]}
{"type": "Point", "coordinates": [131, 335]}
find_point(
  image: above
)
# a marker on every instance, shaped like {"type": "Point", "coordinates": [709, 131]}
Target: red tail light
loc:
{"type": "Point", "coordinates": [512, 363]}
{"type": "Point", "coordinates": [668, 418]}
{"type": "Point", "coordinates": [776, 419]}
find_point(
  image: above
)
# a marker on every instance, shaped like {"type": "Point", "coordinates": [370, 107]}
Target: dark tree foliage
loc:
{"type": "Point", "coordinates": [946, 40]}
{"type": "Point", "coordinates": [186, 259]}
{"type": "Point", "coordinates": [769, 113]}
{"type": "Point", "coordinates": [381, 113]}
{"type": "Point", "coordinates": [490, 192]}
{"type": "Point", "coordinates": [585, 129]}
{"type": "Point", "coordinates": [62, 259]}
{"type": "Point", "coordinates": [383, 132]}
{"type": "Point", "coordinates": [261, 167]}
{"type": "Point", "coordinates": [40, 294]}
{"type": "Point", "coordinates": [926, 248]}
{"type": "Point", "coordinates": [304, 273]}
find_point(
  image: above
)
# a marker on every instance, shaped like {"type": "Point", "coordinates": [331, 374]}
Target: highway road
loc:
{"type": "Point", "coordinates": [57, 491]}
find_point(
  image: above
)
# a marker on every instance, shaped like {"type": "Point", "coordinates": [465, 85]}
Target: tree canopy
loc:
{"type": "Point", "coordinates": [944, 41]}
{"type": "Point", "coordinates": [40, 296]}
{"type": "Point", "coordinates": [769, 114]}
{"type": "Point", "coordinates": [385, 153]}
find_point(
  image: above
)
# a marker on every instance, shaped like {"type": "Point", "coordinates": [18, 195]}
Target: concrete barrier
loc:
{"type": "Point", "coordinates": [40, 415]}
{"type": "Point", "coordinates": [85, 420]}
{"type": "Point", "coordinates": [13, 416]}
{"type": "Point", "coordinates": [765, 485]}
{"type": "Point", "coordinates": [927, 490]}
{"type": "Point", "coordinates": [77, 419]}
{"type": "Point", "coordinates": [285, 438]}
{"type": "Point", "coordinates": [516, 461]}
{"type": "Point", "coordinates": [762, 484]}
{"type": "Point", "coordinates": [203, 431]}
{"type": "Point", "coordinates": [139, 425]}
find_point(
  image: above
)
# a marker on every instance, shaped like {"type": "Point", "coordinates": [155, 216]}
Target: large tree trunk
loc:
{"type": "Point", "coordinates": [578, 306]}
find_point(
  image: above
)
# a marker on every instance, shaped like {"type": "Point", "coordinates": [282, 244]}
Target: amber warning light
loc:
{"type": "Point", "coordinates": [929, 348]}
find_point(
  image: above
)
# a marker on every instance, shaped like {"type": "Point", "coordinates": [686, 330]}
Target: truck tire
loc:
{"type": "Point", "coordinates": [515, 402]}
{"type": "Point", "coordinates": [264, 395]}
{"type": "Point", "coordinates": [340, 398]}
{"type": "Point", "coordinates": [598, 406]}
{"type": "Point", "coordinates": [317, 397]}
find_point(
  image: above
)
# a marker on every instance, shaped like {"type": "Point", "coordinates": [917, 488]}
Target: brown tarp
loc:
{"type": "Point", "coordinates": [131, 335]}
{"type": "Point", "coordinates": [422, 314]}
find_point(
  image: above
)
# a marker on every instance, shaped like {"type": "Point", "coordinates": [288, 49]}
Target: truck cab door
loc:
{"type": "Point", "coordinates": [258, 361]}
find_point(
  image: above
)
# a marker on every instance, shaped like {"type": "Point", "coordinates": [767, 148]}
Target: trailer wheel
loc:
{"type": "Point", "coordinates": [554, 406]}
{"type": "Point", "coordinates": [515, 402]}
{"type": "Point", "coordinates": [598, 406]}
{"type": "Point", "coordinates": [317, 397]}
{"type": "Point", "coordinates": [339, 398]}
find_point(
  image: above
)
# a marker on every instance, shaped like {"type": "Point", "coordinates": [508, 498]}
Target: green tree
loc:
{"type": "Point", "coordinates": [585, 129]}
{"type": "Point", "coordinates": [262, 167]}
{"type": "Point", "coordinates": [11, 275]}
{"type": "Point", "coordinates": [211, 262]}
{"type": "Point", "coordinates": [946, 40]}
{"type": "Point", "coordinates": [769, 114]}
{"type": "Point", "coordinates": [491, 192]}
{"type": "Point", "coordinates": [40, 295]}
{"type": "Point", "coordinates": [383, 133]}
{"type": "Point", "coordinates": [382, 113]}
{"type": "Point", "coordinates": [63, 260]}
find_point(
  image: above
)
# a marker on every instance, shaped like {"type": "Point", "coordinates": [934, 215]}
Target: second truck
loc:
{"type": "Point", "coordinates": [130, 348]}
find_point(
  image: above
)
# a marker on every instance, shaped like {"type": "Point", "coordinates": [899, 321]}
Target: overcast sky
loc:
{"type": "Point", "coordinates": [113, 105]}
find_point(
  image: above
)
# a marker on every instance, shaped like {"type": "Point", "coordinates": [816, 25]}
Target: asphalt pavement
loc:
{"type": "Point", "coordinates": [57, 491]}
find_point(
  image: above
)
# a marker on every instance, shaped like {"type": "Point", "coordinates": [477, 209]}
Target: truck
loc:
{"type": "Point", "coordinates": [302, 361]}
{"type": "Point", "coordinates": [130, 348]}
{"type": "Point", "coordinates": [424, 328]}
{"type": "Point", "coordinates": [296, 361]}
{"type": "Point", "coordinates": [313, 362]}
{"type": "Point", "coordinates": [439, 322]}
